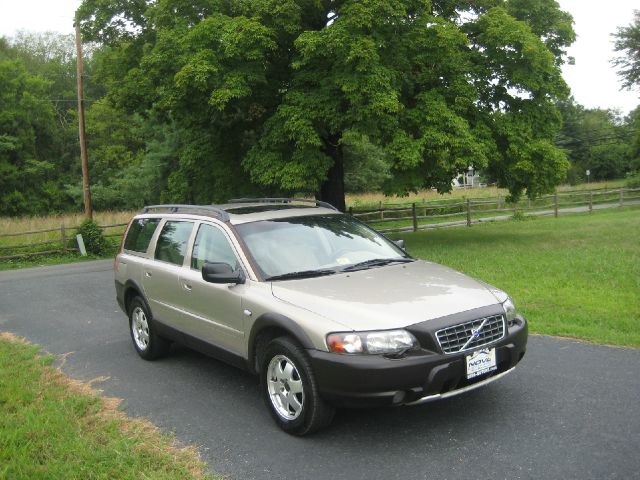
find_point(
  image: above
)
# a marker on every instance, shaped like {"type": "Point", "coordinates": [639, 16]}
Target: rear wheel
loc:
{"type": "Point", "coordinates": [289, 388]}
{"type": "Point", "coordinates": [146, 341]}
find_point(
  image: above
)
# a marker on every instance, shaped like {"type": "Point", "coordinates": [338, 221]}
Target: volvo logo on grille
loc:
{"type": "Point", "coordinates": [475, 333]}
{"type": "Point", "coordinates": [472, 334]}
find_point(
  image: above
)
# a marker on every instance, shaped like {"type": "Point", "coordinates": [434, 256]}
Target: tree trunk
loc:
{"type": "Point", "coordinates": [332, 189]}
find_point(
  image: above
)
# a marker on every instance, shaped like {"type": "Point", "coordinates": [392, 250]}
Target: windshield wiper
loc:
{"type": "Point", "coordinates": [376, 262]}
{"type": "Point", "coordinates": [302, 274]}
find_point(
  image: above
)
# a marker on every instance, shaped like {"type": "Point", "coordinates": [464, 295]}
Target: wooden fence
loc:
{"type": "Point", "coordinates": [52, 241]}
{"type": "Point", "coordinates": [399, 217]}
{"type": "Point", "coordinates": [434, 214]}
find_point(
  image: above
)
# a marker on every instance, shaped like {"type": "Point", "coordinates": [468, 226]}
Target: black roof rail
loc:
{"type": "Point", "coordinates": [209, 210]}
{"type": "Point", "coordinates": [318, 203]}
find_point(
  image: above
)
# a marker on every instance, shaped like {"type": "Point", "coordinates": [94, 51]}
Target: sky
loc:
{"type": "Point", "coordinates": [592, 79]}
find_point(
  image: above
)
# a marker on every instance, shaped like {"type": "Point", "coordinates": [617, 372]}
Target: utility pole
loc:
{"type": "Point", "coordinates": [88, 210]}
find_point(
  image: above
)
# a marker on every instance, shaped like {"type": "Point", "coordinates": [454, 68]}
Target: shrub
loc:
{"type": "Point", "coordinates": [633, 180]}
{"type": "Point", "coordinates": [94, 239]}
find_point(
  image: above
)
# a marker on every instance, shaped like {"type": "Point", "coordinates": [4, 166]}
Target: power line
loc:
{"type": "Point", "coordinates": [598, 140]}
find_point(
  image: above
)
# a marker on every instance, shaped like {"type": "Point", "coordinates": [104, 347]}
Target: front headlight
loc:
{"type": "Point", "coordinates": [507, 304]}
{"type": "Point", "coordinates": [509, 310]}
{"type": "Point", "coordinates": [374, 343]}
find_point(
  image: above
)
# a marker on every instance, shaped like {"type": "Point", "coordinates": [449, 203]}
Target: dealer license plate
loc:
{"type": "Point", "coordinates": [481, 362]}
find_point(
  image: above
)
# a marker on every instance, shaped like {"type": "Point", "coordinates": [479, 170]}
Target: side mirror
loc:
{"type": "Point", "coordinates": [399, 243]}
{"type": "Point", "coordinates": [221, 273]}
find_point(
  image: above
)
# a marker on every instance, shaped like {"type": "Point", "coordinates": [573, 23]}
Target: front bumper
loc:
{"type": "Point", "coordinates": [422, 375]}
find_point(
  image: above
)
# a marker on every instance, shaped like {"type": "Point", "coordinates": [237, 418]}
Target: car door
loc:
{"type": "Point", "coordinates": [161, 276]}
{"type": "Point", "coordinates": [214, 310]}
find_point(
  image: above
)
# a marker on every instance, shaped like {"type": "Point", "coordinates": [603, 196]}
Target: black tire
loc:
{"type": "Point", "coordinates": [293, 398]}
{"type": "Point", "coordinates": [146, 341]}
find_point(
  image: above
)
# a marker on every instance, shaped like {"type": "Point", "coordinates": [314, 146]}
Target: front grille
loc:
{"type": "Point", "coordinates": [456, 338]}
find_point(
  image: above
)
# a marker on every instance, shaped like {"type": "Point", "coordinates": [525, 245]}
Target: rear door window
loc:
{"type": "Point", "coordinates": [140, 233]}
{"type": "Point", "coordinates": [172, 242]}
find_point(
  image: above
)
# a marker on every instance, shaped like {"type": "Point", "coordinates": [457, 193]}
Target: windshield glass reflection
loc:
{"type": "Point", "coordinates": [304, 244]}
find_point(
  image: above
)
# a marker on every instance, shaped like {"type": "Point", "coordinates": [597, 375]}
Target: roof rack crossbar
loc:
{"type": "Point", "coordinates": [181, 208]}
{"type": "Point", "coordinates": [318, 203]}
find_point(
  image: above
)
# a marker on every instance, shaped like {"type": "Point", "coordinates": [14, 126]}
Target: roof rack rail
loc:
{"type": "Point", "coordinates": [194, 209]}
{"type": "Point", "coordinates": [318, 203]}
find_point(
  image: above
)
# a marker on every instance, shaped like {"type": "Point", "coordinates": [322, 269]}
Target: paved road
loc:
{"type": "Point", "coordinates": [570, 410]}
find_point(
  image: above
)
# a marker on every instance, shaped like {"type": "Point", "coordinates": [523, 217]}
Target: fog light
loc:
{"type": "Point", "coordinates": [398, 397]}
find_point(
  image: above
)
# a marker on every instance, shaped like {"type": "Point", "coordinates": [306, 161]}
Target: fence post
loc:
{"type": "Point", "coordinates": [415, 218]}
{"type": "Point", "coordinates": [555, 204]}
{"type": "Point", "coordinates": [381, 211]}
{"type": "Point", "coordinates": [351, 211]}
{"type": "Point", "coordinates": [621, 196]}
{"type": "Point", "coordinates": [590, 202]}
{"type": "Point", "coordinates": [63, 239]}
{"type": "Point", "coordinates": [468, 212]}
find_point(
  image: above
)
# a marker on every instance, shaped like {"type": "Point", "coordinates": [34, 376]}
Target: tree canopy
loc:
{"type": "Point", "coordinates": [35, 146]}
{"type": "Point", "coordinates": [598, 140]}
{"type": "Point", "coordinates": [292, 95]}
{"type": "Point", "coordinates": [627, 42]}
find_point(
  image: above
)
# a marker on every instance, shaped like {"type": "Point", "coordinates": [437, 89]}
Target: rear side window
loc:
{"type": "Point", "coordinates": [172, 242]}
{"type": "Point", "coordinates": [140, 234]}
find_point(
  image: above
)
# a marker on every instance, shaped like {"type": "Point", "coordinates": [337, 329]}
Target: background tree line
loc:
{"type": "Point", "coordinates": [203, 100]}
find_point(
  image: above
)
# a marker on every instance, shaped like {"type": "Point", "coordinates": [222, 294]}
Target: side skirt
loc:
{"type": "Point", "coordinates": [205, 348]}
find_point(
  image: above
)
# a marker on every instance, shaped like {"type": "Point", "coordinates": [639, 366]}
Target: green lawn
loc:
{"type": "Point", "coordinates": [51, 427]}
{"type": "Point", "coordinates": [575, 276]}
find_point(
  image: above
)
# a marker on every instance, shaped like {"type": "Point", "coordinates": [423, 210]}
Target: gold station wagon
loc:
{"type": "Point", "coordinates": [325, 310]}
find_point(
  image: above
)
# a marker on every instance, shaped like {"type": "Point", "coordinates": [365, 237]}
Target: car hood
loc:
{"type": "Point", "coordinates": [392, 296]}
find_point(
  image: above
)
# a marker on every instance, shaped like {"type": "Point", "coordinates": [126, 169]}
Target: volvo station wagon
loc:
{"type": "Point", "coordinates": [327, 312]}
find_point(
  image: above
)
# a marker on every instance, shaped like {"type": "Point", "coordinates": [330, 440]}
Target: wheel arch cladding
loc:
{"type": "Point", "coordinates": [131, 291]}
{"type": "Point", "coordinates": [269, 326]}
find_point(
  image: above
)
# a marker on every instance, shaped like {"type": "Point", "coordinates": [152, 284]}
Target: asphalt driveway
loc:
{"type": "Point", "coordinates": [570, 410]}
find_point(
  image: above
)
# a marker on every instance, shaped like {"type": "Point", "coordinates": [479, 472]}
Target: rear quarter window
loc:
{"type": "Point", "coordinates": [140, 233]}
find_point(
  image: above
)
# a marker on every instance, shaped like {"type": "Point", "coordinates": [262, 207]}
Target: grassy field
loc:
{"type": "Point", "coordinates": [69, 220]}
{"type": "Point", "coordinates": [53, 427]}
{"type": "Point", "coordinates": [575, 276]}
{"type": "Point", "coordinates": [10, 245]}
{"type": "Point", "coordinates": [372, 200]}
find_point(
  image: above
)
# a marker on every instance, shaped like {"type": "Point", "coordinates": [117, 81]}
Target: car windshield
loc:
{"type": "Point", "coordinates": [323, 244]}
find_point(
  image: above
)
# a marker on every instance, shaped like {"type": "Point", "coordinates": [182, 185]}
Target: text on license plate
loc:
{"type": "Point", "coordinates": [481, 362]}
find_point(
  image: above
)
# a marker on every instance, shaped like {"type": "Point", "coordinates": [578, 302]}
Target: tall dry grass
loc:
{"type": "Point", "coordinates": [70, 221]}
{"type": "Point", "coordinates": [375, 198]}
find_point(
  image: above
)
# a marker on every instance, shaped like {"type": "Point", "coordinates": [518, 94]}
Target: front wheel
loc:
{"type": "Point", "coordinates": [289, 389]}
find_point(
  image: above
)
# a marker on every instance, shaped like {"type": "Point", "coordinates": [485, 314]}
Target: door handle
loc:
{"type": "Point", "coordinates": [148, 274]}
{"type": "Point", "coordinates": [186, 285]}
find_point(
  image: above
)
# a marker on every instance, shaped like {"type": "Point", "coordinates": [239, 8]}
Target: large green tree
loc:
{"type": "Point", "coordinates": [291, 93]}
{"type": "Point", "coordinates": [27, 138]}
{"type": "Point", "coordinates": [627, 42]}
{"type": "Point", "coordinates": [38, 122]}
